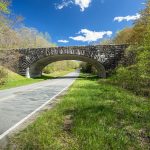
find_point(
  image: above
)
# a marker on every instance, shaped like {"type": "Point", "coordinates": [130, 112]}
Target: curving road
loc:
{"type": "Point", "coordinates": [18, 104]}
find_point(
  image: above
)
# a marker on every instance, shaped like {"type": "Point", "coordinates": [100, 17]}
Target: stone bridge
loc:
{"type": "Point", "coordinates": [103, 57]}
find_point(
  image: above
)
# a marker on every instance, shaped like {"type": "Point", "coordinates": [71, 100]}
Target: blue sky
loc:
{"type": "Point", "coordinates": [78, 22]}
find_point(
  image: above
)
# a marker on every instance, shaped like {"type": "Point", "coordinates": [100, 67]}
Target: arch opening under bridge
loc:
{"type": "Point", "coordinates": [35, 70]}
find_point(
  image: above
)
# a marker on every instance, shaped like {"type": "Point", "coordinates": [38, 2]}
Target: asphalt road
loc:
{"type": "Point", "coordinates": [17, 104]}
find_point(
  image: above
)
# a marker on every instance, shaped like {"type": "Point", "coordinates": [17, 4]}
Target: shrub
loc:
{"type": "Point", "coordinates": [3, 76]}
{"type": "Point", "coordinates": [130, 78]}
{"type": "Point", "coordinates": [88, 68]}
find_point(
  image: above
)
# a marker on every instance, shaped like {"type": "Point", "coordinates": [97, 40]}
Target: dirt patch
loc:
{"type": "Point", "coordinates": [144, 135]}
{"type": "Point", "coordinates": [68, 122]}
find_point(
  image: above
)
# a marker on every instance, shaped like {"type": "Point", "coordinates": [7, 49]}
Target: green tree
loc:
{"type": "Point", "coordinates": [4, 6]}
{"type": "Point", "coordinates": [134, 71]}
{"type": "Point", "coordinates": [141, 29]}
{"type": "Point", "coordinates": [123, 36]}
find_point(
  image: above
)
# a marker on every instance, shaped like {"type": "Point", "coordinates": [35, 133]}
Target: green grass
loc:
{"type": "Point", "coordinates": [58, 73]}
{"type": "Point", "coordinates": [100, 117]}
{"type": "Point", "coordinates": [15, 80]}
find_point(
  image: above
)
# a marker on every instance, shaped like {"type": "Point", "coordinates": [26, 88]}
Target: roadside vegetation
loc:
{"type": "Point", "coordinates": [133, 71]}
{"type": "Point", "coordinates": [92, 115]}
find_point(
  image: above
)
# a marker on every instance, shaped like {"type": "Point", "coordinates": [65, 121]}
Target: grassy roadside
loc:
{"type": "Point", "coordinates": [15, 80]}
{"type": "Point", "coordinates": [91, 116]}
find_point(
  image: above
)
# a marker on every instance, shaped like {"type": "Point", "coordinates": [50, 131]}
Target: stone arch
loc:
{"type": "Point", "coordinates": [35, 69]}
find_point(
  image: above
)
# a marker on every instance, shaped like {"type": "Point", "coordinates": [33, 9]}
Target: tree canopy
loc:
{"type": "Point", "coordinates": [4, 6]}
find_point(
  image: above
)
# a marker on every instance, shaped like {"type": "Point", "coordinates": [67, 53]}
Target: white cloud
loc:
{"type": "Point", "coordinates": [127, 18]}
{"type": "Point", "coordinates": [64, 4]}
{"type": "Point", "coordinates": [83, 4]}
{"type": "Point", "coordinates": [63, 41]}
{"type": "Point", "coordinates": [90, 36]}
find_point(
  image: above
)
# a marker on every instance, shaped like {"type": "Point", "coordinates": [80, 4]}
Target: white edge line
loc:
{"type": "Point", "coordinates": [28, 116]}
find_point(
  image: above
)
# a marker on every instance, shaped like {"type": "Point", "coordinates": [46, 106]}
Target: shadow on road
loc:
{"type": "Point", "coordinates": [68, 77]}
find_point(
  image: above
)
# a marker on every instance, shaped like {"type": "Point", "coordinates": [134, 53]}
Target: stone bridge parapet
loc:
{"type": "Point", "coordinates": [103, 57]}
